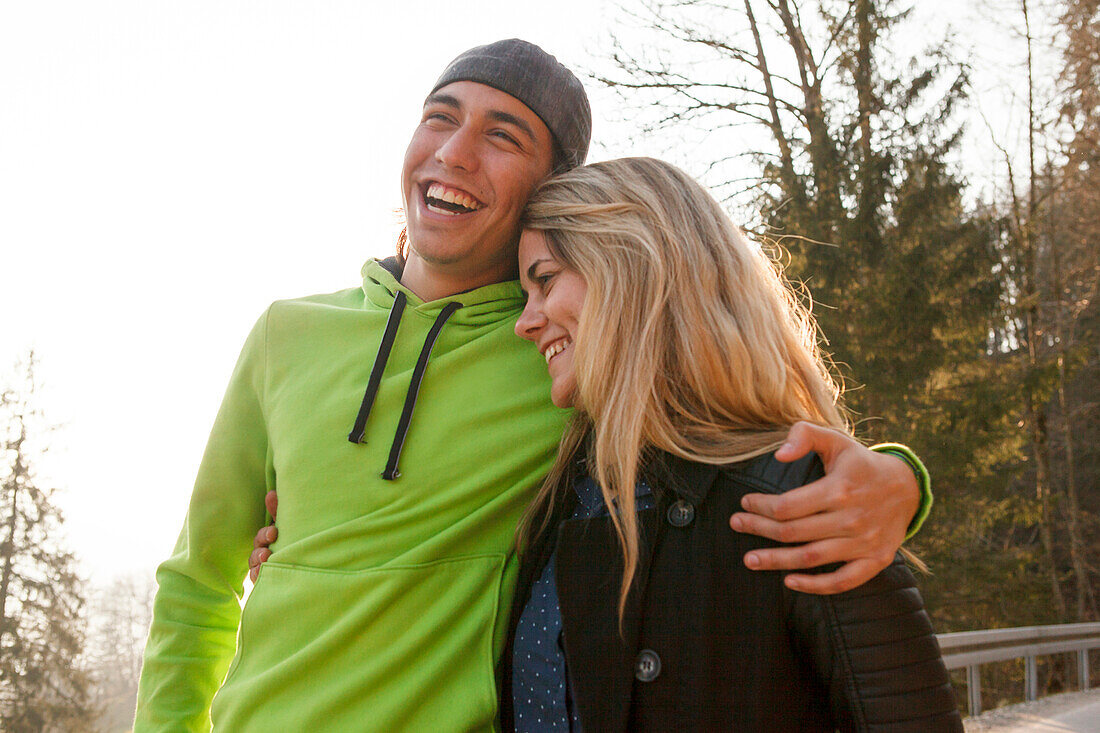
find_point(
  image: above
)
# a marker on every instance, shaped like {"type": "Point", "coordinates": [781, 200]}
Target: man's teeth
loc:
{"type": "Point", "coordinates": [556, 349]}
{"type": "Point", "coordinates": [438, 210]}
{"type": "Point", "coordinates": [439, 192]}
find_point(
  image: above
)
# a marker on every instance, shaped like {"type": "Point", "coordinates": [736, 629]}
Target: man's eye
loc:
{"type": "Point", "coordinates": [505, 136]}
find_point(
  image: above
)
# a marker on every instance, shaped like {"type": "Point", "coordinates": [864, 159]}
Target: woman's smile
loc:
{"type": "Point", "coordinates": [556, 348]}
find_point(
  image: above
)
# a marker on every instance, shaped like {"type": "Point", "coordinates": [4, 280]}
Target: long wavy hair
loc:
{"type": "Point", "coordinates": [689, 341]}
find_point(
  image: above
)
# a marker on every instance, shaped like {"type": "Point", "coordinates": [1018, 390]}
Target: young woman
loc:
{"type": "Point", "coordinates": [687, 359]}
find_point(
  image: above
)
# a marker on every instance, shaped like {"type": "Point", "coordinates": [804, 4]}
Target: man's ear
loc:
{"type": "Point", "coordinates": [403, 246]}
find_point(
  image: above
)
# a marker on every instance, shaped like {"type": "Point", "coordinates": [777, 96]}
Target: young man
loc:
{"type": "Point", "coordinates": [385, 603]}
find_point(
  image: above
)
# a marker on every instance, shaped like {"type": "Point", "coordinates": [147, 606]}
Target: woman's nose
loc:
{"type": "Point", "coordinates": [530, 321]}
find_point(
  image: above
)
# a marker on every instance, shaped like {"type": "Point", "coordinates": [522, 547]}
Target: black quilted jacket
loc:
{"type": "Point", "coordinates": [708, 645]}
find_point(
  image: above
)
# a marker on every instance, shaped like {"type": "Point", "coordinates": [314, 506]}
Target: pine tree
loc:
{"type": "Point", "coordinates": [1049, 276]}
{"type": "Point", "coordinates": [1076, 228]}
{"type": "Point", "coordinates": [855, 177]}
{"type": "Point", "coordinates": [42, 685]}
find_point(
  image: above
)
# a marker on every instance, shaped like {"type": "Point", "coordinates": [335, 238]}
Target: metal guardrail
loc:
{"type": "Point", "coordinates": [971, 649]}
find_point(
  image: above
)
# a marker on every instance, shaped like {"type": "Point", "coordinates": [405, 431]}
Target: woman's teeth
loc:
{"type": "Point", "coordinates": [556, 349]}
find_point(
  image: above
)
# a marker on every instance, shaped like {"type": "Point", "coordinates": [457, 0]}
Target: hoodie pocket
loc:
{"type": "Point", "coordinates": [388, 649]}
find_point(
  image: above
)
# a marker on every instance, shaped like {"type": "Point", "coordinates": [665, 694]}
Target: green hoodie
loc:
{"type": "Point", "coordinates": [384, 604]}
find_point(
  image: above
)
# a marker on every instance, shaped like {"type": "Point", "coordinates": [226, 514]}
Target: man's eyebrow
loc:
{"type": "Point", "coordinates": [510, 119]}
{"type": "Point", "coordinates": [494, 114]}
{"type": "Point", "coordinates": [442, 98]}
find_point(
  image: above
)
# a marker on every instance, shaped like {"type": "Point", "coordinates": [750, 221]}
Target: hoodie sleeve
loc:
{"type": "Point", "coordinates": [197, 606]}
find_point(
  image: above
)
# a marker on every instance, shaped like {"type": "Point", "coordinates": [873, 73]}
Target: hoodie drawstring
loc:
{"type": "Point", "coordinates": [391, 471]}
{"type": "Point", "coordinates": [357, 432]}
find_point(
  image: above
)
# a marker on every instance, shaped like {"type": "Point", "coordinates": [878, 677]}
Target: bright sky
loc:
{"type": "Point", "coordinates": [167, 169]}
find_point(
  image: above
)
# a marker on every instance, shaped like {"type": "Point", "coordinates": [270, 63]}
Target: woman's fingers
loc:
{"type": "Point", "coordinates": [255, 560]}
{"type": "Point", "coordinates": [266, 536]}
{"type": "Point", "coordinates": [259, 556]}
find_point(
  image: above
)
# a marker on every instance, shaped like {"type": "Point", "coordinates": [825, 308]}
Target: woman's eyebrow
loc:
{"type": "Point", "coordinates": [534, 266]}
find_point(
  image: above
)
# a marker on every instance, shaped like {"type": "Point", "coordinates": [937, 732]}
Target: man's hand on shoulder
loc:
{"type": "Point", "coordinates": [264, 538]}
{"type": "Point", "coordinates": [857, 514]}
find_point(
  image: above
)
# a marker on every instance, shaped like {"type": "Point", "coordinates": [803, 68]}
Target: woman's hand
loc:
{"type": "Point", "coordinates": [857, 514]}
{"type": "Point", "coordinates": [264, 538]}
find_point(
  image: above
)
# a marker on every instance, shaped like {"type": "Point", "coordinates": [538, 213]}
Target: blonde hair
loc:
{"type": "Point", "coordinates": [689, 340]}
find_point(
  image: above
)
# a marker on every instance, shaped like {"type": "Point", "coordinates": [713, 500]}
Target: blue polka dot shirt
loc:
{"type": "Point", "coordinates": [542, 699]}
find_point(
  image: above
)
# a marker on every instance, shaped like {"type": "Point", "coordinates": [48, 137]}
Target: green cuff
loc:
{"type": "Point", "coordinates": [924, 481]}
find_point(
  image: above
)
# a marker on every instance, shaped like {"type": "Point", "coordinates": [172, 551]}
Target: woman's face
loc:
{"type": "Point", "coordinates": [555, 294]}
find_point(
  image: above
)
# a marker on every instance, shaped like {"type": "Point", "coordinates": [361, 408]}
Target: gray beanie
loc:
{"type": "Point", "coordinates": [537, 79]}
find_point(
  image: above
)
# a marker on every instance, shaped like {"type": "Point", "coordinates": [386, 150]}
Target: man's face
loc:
{"type": "Point", "coordinates": [470, 167]}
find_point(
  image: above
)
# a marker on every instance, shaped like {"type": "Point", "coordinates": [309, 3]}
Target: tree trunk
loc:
{"type": "Point", "coordinates": [1040, 448]}
{"type": "Point", "coordinates": [866, 231]}
{"type": "Point", "coordinates": [786, 156]}
{"type": "Point", "coordinates": [7, 550]}
{"type": "Point", "coordinates": [1036, 418]}
{"type": "Point", "coordinates": [1085, 599]}
{"type": "Point", "coordinates": [823, 157]}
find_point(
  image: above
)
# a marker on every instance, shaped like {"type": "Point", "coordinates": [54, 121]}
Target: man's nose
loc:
{"type": "Point", "coordinates": [459, 150]}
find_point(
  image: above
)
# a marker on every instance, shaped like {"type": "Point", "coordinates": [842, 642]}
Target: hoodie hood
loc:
{"type": "Point", "coordinates": [479, 307]}
{"type": "Point", "coordinates": [486, 306]}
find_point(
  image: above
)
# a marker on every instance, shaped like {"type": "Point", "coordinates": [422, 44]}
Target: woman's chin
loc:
{"type": "Point", "coordinates": [563, 395]}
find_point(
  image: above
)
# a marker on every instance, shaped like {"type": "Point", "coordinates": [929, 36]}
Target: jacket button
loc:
{"type": "Point", "coordinates": [647, 666]}
{"type": "Point", "coordinates": [681, 513]}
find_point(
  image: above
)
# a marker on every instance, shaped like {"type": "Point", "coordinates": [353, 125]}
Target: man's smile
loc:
{"type": "Point", "coordinates": [443, 199]}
